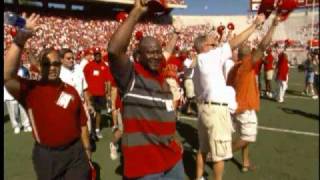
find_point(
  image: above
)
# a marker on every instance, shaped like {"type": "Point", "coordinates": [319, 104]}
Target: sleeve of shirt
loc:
{"type": "Point", "coordinates": [232, 103]}
{"type": "Point", "coordinates": [123, 76]}
{"type": "Point", "coordinates": [187, 63]}
{"type": "Point", "coordinates": [226, 52]}
{"type": "Point", "coordinates": [85, 84]}
{"type": "Point", "coordinates": [83, 116]}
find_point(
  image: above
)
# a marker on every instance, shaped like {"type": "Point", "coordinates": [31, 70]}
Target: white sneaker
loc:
{"type": "Point", "coordinates": [315, 97]}
{"type": "Point", "coordinates": [113, 151]}
{"type": "Point", "coordinates": [99, 134]}
{"type": "Point", "coordinates": [16, 130]}
{"type": "Point", "coordinates": [27, 129]}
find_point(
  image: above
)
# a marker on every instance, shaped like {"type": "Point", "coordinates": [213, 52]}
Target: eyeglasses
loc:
{"type": "Point", "coordinates": [54, 63]}
{"type": "Point", "coordinates": [69, 58]}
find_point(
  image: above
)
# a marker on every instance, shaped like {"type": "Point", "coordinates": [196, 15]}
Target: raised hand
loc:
{"type": "Point", "coordinates": [31, 21]}
{"type": "Point", "coordinates": [177, 25]}
{"type": "Point", "coordinates": [141, 5]}
{"type": "Point", "coordinates": [260, 19]}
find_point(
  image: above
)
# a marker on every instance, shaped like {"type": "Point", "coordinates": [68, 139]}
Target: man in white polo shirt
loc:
{"type": "Point", "coordinates": [72, 74]}
{"type": "Point", "coordinates": [215, 98]}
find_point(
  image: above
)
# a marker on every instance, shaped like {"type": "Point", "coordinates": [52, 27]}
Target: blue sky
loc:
{"type": "Point", "coordinates": [214, 7]}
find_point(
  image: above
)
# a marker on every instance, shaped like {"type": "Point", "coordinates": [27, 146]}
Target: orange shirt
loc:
{"type": "Point", "coordinates": [242, 79]}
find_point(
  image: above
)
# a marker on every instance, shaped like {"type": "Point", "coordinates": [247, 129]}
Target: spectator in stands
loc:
{"type": "Point", "coordinates": [215, 98]}
{"type": "Point", "coordinates": [242, 78]}
{"type": "Point", "coordinates": [148, 110]}
{"type": "Point", "coordinates": [62, 148]}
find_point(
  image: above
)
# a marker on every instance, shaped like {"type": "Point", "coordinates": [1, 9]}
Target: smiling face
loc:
{"type": "Point", "coordinates": [150, 54]}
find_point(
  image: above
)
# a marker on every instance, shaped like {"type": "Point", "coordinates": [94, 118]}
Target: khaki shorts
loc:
{"type": "Point", "coordinates": [188, 84]}
{"type": "Point", "coordinates": [246, 125]}
{"type": "Point", "coordinates": [215, 131]}
{"type": "Point", "coordinates": [174, 88]}
{"type": "Point", "coordinates": [269, 74]}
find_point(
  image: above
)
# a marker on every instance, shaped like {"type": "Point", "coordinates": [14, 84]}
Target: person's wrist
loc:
{"type": "Point", "coordinates": [176, 32]}
{"type": "Point", "coordinates": [22, 36]}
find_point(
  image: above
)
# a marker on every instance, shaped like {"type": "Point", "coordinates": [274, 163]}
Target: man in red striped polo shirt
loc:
{"type": "Point", "coordinates": [150, 149]}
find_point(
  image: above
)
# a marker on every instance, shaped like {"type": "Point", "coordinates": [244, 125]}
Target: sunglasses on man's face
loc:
{"type": "Point", "coordinates": [54, 63]}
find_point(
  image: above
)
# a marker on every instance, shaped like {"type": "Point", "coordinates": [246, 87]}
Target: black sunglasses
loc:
{"type": "Point", "coordinates": [54, 63]}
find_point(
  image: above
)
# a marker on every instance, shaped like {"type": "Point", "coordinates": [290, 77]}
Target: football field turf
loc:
{"type": "Point", "coordinates": [287, 146]}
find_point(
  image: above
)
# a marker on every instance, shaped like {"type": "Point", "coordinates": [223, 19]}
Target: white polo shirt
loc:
{"type": "Point", "coordinates": [188, 70]}
{"type": "Point", "coordinates": [210, 83]}
{"type": "Point", "coordinates": [227, 67]}
{"type": "Point", "coordinates": [75, 78]}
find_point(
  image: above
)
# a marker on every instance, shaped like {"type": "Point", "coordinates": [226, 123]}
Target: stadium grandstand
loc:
{"type": "Point", "coordinates": [75, 24]}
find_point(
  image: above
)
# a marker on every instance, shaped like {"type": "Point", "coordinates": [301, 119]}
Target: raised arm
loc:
{"type": "Point", "coordinates": [12, 58]}
{"type": "Point", "coordinates": [177, 25]}
{"type": "Point", "coordinates": [243, 36]}
{"type": "Point", "coordinates": [258, 54]}
{"type": "Point", "coordinates": [121, 38]}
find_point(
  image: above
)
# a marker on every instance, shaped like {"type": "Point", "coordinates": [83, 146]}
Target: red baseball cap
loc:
{"type": "Point", "coordinates": [266, 7]}
{"type": "Point", "coordinates": [139, 35]}
{"type": "Point", "coordinates": [230, 26]}
{"type": "Point", "coordinates": [121, 16]}
{"type": "Point", "coordinates": [220, 29]}
{"type": "Point", "coordinates": [285, 7]}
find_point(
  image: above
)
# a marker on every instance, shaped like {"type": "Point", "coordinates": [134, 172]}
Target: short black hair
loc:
{"type": "Point", "coordinates": [64, 51]}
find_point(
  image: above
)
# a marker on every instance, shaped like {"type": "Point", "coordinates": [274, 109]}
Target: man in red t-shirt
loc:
{"type": "Point", "coordinates": [62, 148]}
{"type": "Point", "coordinates": [98, 77]}
{"type": "Point", "coordinates": [268, 72]}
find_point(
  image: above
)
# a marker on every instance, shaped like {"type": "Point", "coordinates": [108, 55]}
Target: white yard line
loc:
{"type": "Point", "coordinates": [298, 97]}
{"type": "Point", "coordinates": [267, 128]}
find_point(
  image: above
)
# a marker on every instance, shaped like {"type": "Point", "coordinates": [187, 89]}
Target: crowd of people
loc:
{"type": "Point", "coordinates": [78, 68]}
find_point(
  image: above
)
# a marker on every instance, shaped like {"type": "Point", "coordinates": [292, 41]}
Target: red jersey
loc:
{"type": "Point", "coordinates": [283, 67]}
{"type": "Point", "coordinates": [268, 63]}
{"type": "Point", "coordinates": [55, 111]}
{"type": "Point", "coordinates": [97, 74]}
{"type": "Point", "coordinates": [258, 66]}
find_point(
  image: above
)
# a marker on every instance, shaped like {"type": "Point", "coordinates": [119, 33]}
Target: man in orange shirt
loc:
{"type": "Point", "coordinates": [242, 78]}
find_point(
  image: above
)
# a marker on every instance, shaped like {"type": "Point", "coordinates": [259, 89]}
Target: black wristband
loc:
{"type": "Point", "coordinates": [22, 36]}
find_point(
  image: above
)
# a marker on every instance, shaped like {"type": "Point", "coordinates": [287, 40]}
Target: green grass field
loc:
{"type": "Point", "coordinates": [278, 154]}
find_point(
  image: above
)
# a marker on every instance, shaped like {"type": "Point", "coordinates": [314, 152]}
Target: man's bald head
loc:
{"type": "Point", "coordinates": [147, 42]}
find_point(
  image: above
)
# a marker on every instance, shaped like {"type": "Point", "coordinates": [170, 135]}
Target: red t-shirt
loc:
{"type": "Point", "coordinates": [55, 111]}
{"type": "Point", "coordinates": [177, 61]}
{"type": "Point", "coordinates": [283, 67]}
{"type": "Point", "coordinates": [97, 74]}
{"type": "Point", "coordinates": [268, 64]}
{"type": "Point", "coordinates": [257, 66]}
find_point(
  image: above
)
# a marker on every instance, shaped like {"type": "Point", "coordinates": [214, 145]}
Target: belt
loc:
{"type": "Point", "coordinates": [59, 148]}
{"type": "Point", "coordinates": [215, 103]}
